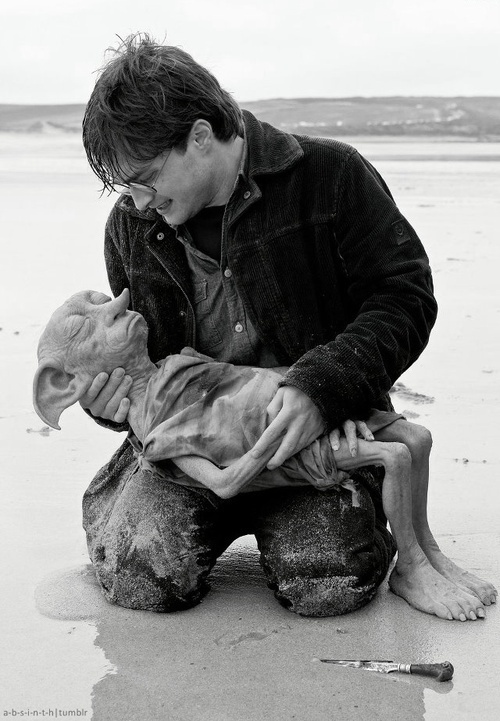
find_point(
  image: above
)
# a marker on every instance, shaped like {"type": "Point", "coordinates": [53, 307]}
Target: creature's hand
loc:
{"type": "Point", "coordinates": [352, 429]}
{"type": "Point", "coordinates": [107, 396]}
{"type": "Point", "coordinates": [293, 417]}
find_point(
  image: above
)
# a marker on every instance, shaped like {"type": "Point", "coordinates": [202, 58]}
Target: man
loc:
{"type": "Point", "coordinates": [258, 248]}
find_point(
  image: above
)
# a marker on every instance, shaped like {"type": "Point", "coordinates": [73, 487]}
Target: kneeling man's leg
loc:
{"type": "Point", "coordinates": [324, 552]}
{"type": "Point", "coordinates": [152, 542]}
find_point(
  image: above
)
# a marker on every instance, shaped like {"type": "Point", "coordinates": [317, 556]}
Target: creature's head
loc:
{"type": "Point", "coordinates": [90, 333]}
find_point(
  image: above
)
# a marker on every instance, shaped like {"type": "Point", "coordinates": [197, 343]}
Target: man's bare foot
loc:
{"type": "Point", "coordinates": [427, 590]}
{"type": "Point", "coordinates": [484, 590]}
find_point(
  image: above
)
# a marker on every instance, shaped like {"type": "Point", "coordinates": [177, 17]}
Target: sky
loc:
{"type": "Point", "coordinates": [50, 49]}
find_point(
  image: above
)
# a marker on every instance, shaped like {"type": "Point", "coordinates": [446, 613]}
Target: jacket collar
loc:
{"type": "Point", "coordinates": [126, 204]}
{"type": "Point", "coordinates": [269, 150]}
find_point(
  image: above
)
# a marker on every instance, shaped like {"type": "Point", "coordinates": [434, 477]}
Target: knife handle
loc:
{"type": "Point", "coordinates": [439, 671]}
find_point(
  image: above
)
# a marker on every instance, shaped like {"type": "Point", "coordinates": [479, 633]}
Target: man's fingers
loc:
{"type": "Point", "coordinates": [105, 397]}
{"type": "Point", "coordinates": [93, 391]}
{"type": "Point", "coordinates": [289, 445]}
{"type": "Point", "coordinates": [114, 391]}
{"type": "Point", "coordinates": [298, 419]}
{"type": "Point", "coordinates": [122, 412]}
{"type": "Point", "coordinates": [274, 406]}
{"type": "Point", "coordinates": [335, 439]}
{"type": "Point", "coordinates": [115, 395]}
{"type": "Point", "coordinates": [351, 437]}
{"type": "Point", "coordinates": [275, 428]}
{"type": "Point", "coordinates": [364, 431]}
{"type": "Point", "coordinates": [272, 434]}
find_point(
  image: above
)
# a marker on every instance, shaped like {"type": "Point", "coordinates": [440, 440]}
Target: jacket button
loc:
{"type": "Point", "coordinates": [238, 328]}
{"type": "Point", "coordinates": [160, 236]}
{"type": "Point", "coordinates": [247, 194]}
{"type": "Point", "coordinates": [182, 314]}
{"type": "Point", "coordinates": [228, 273]}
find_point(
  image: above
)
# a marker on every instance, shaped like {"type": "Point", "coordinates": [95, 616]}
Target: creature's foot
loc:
{"type": "Point", "coordinates": [427, 590]}
{"type": "Point", "coordinates": [484, 590]}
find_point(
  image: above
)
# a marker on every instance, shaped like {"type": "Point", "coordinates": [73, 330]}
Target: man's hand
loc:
{"type": "Point", "coordinates": [352, 429]}
{"type": "Point", "coordinates": [107, 396]}
{"type": "Point", "coordinates": [294, 417]}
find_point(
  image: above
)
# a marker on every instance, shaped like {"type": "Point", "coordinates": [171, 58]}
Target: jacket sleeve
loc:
{"type": "Point", "coordinates": [390, 292]}
{"type": "Point", "coordinates": [115, 241]}
{"type": "Point", "coordinates": [118, 280]}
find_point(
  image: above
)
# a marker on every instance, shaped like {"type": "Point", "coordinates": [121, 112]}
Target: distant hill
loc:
{"type": "Point", "coordinates": [468, 117]}
{"type": "Point", "coordinates": [461, 117]}
{"type": "Point", "coordinates": [41, 118]}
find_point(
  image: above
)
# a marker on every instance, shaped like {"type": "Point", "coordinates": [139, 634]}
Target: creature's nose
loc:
{"type": "Point", "coordinates": [119, 305]}
{"type": "Point", "coordinates": [124, 298]}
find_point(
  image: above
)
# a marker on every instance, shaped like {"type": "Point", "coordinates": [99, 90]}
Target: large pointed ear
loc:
{"type": "Point", "coordinates": [54, 390]}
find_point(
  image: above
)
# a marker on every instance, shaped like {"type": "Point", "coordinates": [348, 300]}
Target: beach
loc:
{"type": "Point", "coordinates": [239, 656]}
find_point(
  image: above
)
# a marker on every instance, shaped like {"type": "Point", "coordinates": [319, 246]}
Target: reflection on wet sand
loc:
{"type": "Point", "coordinates": [239, 655]}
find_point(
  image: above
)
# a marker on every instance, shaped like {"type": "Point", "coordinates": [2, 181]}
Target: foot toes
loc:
{"type": "Point", "coordinates": [441, 611]}
{"type": "Point", "coordinates": [465, 608]}
{"type": "Point", "coordinates": [456, 611]}
{"type": "Point", "coordinates": [486, 595]}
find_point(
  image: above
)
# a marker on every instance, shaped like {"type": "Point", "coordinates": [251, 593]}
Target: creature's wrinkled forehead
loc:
{"type": "Point", "coordinates": [66, 321]}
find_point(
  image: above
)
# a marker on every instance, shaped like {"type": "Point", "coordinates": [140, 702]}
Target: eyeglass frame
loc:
{"type": "Point", "coordinates": [126, 188]}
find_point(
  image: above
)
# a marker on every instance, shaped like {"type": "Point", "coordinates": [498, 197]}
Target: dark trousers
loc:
{"type": "Point", "coordinates": [153, 542]}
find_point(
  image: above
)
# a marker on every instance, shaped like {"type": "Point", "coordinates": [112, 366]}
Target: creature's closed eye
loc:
{"type": "Point", "coordinates": [75, 325]}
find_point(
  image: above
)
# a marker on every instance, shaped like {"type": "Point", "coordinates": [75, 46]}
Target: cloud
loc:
{"type": "Point", "coordinates": [260, 48]}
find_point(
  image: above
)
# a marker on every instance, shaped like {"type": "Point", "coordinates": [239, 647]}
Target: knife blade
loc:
{"type": "Point", "coordinates": [440, 671]}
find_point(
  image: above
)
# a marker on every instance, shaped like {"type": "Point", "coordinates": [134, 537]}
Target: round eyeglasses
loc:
{"type": "Point", "coordinates": [126, 188]}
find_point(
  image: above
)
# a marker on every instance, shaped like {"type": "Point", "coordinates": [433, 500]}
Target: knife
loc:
{"type": "Point", "coordinates": [439, 671]}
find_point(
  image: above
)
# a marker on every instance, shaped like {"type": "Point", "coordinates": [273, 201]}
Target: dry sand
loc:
{"type": "Point", "coordinates": [239, 656]}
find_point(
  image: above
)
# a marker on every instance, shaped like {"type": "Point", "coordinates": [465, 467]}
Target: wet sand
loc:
{"type": "Point", "coordinates": [239, 656]}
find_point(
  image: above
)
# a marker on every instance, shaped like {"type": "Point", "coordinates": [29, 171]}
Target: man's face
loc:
{"type": "Point", "coordinates": [98, 334]}
{"type": "Point", "coordinates": [185, 182]}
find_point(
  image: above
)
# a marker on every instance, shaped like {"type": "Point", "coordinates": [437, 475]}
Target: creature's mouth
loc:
{"type": "Point", "coordinates": [133, 318]}
{"type": "Point", "coordinates": [136, 325]}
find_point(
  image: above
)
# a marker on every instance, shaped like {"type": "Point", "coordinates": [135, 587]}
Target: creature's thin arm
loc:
{"type": "Point", "coordinates": [225, 482]}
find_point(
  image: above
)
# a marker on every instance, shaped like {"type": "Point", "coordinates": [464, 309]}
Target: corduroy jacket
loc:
{"type": "Point", "coordinates": [332, 276]}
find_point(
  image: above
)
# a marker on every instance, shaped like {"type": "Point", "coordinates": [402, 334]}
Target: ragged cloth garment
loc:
{"type": "Point", "coordinates": [197, 406]}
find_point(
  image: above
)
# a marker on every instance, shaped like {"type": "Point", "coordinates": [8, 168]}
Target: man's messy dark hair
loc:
{"type": "Point", "coordinates": [145, 101]}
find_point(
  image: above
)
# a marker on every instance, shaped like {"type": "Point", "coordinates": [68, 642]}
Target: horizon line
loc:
{"type": "Point", "coordinates": [277, 97]}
